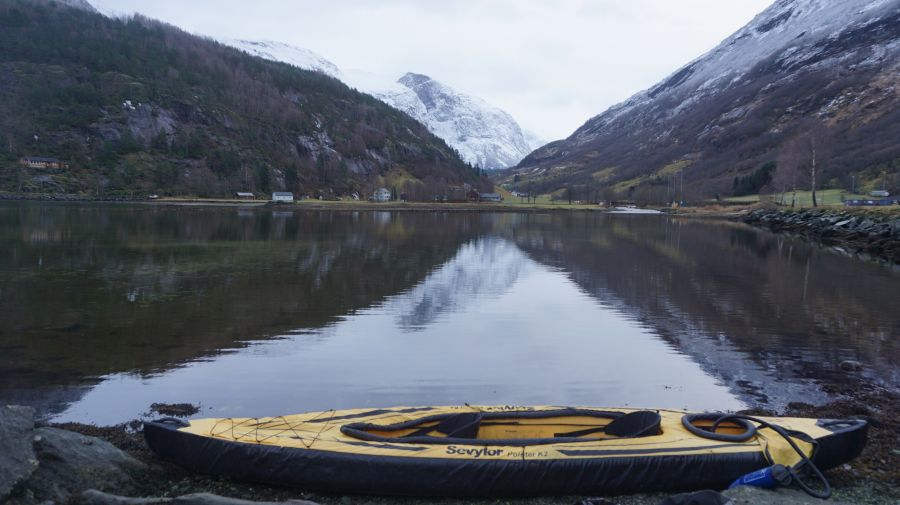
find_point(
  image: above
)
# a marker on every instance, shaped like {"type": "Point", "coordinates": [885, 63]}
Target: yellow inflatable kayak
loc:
{"type": "Point", "coordinates": [499, 450]}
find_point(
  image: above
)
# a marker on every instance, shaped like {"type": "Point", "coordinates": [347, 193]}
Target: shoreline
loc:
{"type": "Point", "coordinates": [871, 478]}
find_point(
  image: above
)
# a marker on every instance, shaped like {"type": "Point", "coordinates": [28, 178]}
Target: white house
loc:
{"type": "Point", "coordinates": [381, 195]}
{"type": "Point", "coordinates": [282, 196]}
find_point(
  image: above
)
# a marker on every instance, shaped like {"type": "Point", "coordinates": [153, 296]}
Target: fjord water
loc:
{"type": "Point", "coordinates": [105, 309]}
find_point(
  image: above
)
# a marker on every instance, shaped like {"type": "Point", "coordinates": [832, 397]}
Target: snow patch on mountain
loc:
{"type": "Point", "coordinates": [75, 4]}
{"type": "Point", "coordinates": [391, 92]}
{"type": "Point", "coordinates": [533, 140]}
{"type": "Point", "coordinates": [79, 4]}
{"type": "Point", "coordinates": [286, 53]}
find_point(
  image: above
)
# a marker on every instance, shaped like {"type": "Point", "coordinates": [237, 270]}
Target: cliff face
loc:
{"type": "Point", "coordinates": [800, 62]}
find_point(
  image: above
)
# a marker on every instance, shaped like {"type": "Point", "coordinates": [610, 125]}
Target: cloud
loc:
{"type": "Point", "coordinates": [551, 64]}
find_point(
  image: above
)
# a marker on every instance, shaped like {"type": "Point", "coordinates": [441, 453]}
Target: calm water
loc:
{"type": "Point", "coordinates": [250, 312]}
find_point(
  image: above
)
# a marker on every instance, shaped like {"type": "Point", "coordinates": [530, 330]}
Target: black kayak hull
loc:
{"type": "Point", "coordinates": [379, 474]}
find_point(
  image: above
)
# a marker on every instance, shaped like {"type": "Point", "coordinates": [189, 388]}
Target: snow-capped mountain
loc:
{"type": "Point", "coordinates": [785, 30]}
{"type": "Point", "coordinates": [833, 61]}
{"type": "Point", "coordinates": [484, 135]}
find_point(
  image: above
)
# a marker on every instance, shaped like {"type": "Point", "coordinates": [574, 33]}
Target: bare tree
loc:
{"type": "Point", "coordinates": [812, 172]}
{"type": "Point", "coordinates": [530, 189]}
{"type": "Point", "coordinates": [817, 140]}
{"type": "Point", "coordinates": [786, 169]}
{"type": "Point", "coordinates": [809, 149]}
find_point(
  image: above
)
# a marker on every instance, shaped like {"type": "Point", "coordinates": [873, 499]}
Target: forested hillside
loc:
{"type": "Point", "coordinates": [134, 106]}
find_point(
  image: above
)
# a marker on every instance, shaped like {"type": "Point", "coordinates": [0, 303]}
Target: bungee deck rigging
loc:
{"type": "Point", "coordinates": [498, 451]}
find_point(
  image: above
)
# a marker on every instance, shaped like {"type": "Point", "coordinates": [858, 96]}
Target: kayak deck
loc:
{"type": "Point", "coordinates": [343, 431]}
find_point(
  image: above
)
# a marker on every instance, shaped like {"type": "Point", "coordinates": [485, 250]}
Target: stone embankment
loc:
{"type": "Point", "coordinates": [875, 234]}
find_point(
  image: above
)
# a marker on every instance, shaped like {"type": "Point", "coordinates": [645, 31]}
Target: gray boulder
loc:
{"type": "Point", "coordinates": [71, 462]}
{"type": "Point", "coordinates": [17, 460]}
{"type": "Point", "coordinates": [850, 365]}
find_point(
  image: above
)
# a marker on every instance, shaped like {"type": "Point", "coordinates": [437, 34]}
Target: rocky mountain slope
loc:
{"type": "Point", "coordinates": [484, 135]}
{"type": "Point", "coordinates": [829, 66]}
{"type": "Point", "coordinates": [132, 105]}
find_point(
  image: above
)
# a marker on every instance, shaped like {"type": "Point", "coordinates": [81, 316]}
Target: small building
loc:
{"type": "Point", "coordinates": [472, 195]}
{"type": "Point", "coordinates": [246, 195]}
{"type": "Point", "coordinates": [490, 197]}
{"type": "Point", "coordinates": [39, 162]}
{"type": "Point", "coordinates": [879, 193]}
{"type": "Point", "coordinates": [282, 196]}
{"type": "Point", "coordinates": [381, 195]}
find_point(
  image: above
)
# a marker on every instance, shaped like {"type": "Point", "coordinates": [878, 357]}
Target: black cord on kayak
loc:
{"type": "Point", "coordinates": [794, 470]}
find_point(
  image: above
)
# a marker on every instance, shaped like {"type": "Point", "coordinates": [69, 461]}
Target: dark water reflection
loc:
{"type": "Point", "coordinates": [106, 309]}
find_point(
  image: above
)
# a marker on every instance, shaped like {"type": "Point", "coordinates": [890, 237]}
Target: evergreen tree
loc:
{"type": "Point", "coordinates": [263, 179]}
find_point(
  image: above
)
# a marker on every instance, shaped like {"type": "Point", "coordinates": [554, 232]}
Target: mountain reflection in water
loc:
{"type": "Point", "coordinates": [106, 309]}
{"type": "Point", "coordinates": [471, 343]}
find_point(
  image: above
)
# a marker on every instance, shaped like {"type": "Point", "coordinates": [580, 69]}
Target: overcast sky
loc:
{"type": "Point", "coordinates": [551, 64]}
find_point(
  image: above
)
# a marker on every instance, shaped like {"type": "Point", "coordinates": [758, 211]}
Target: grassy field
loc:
{"type": "Point", "coordinates": [541, 201]}
{"type": "Point", "coordinates": [826, 198]}
{"type": "Point", "coordinates": [804, 198]}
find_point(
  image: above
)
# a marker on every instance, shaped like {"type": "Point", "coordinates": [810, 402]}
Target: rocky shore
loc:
{"type": "Point", "coordinates": [83, 464]}
{"type": "Point", "coordinates": [869, 233]}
